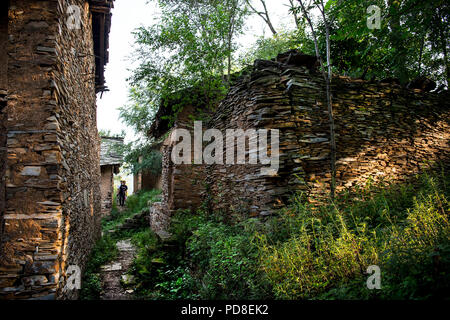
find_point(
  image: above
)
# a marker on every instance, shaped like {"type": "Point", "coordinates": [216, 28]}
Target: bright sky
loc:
{"type": "Point", "coordinates": [129, 15]}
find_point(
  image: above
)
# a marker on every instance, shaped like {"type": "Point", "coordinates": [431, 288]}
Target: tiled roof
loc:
{"type": "Point", "coordinates": [109, 154]}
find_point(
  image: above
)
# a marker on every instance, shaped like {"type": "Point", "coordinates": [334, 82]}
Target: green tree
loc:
{"type": "Point", "coordinates": [268, 48]}
{"type": "Point", "coordinates": [189, 49]}
{"type": "Point", "coordinates": [108, 133]}
{"type": "Point", "coordinates": [264, 14]}
{"type": "Point", "coordinates": [413, 39]}
{"type": "Point", "coordinates": [191, 46]}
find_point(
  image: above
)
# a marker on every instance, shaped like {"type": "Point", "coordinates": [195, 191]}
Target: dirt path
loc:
{"type": "Point", "coordinates": [115, 271]}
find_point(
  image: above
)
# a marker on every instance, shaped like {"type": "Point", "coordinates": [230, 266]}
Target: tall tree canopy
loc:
{"type": "Point", "coordinates": [191, 46]}
{"type": "Point", "coordinates": [412, 41]}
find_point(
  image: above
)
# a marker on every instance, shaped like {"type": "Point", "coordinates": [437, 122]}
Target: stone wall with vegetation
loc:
{"type": "Point", "coordinates": [52, 171]}
{"type": "Point", "coordinates": [79, 140]}
{"type": "Point", "coordinates": [182, 185]}
{"type": "Point", "coordinates": [383, 132]}
{"type": "Point", "coordinates": [106, 189]}
{"type": "Point", "coordinates": [146, 179]}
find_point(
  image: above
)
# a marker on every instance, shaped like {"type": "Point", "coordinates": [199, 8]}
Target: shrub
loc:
{"type": "Point", "coordinates": [226, 263]}
{"type": "Point", "coordinates": [418, 257]}
{"type": "Point", "coordinates": [328, 251]}
{"type": "Point", "coordinates": [159, 271]}
{"type": "Point", "coordinates": [205, 258]}
{"type": "Point", "coordinates": [306, 251]}
{"type": "Point", "coordinates": [135, 204]}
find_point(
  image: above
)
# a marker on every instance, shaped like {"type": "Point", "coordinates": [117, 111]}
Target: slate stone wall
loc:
{"type": "Point", "coordinates": [150, 180]}
{"type": "Point", "coordinates": [146, 180]}
{"type": "Point", "coordinates": [107, 189]}
{"type": "Point", "coordinates": [78, 136]}
{"type": "Point", "coordinates": [383, 132]}
{"type": "Point", "coordinates": [3, 100]}
{"type": "Point", "coordinates": [182, 185]}
{"type": "Point", "coordinates": [52, 215]}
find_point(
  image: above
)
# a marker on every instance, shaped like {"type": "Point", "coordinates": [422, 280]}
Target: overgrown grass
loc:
{"type": "Point", "coordinates": [134, 204]}
{"type": "Point", "coordinates": [160, 268]}
{"type": "Point", "coordinates": [404, 230]}
{"type": "Point", "coordinates": [306, 252]}
{"type": "Point", "coordinates": [104, 251]}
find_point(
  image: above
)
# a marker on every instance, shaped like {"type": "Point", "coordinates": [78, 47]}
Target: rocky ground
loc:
{"type": "Point", "coordinates": [114, 275]}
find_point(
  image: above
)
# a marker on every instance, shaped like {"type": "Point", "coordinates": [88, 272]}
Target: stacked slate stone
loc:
{"type": "Point", "coordinates": [52, 207]}
{"type": "Point", "coordinates": [3, 139]}
{"type": "Point", "coordinates": [383, 132]}
{"type": "Point", "coordinates": [182, 184]}
{"type": "Point", "coordinates": [135, 222]}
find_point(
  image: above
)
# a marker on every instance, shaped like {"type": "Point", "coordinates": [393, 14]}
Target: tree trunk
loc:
{"type": "Point", "coordinates": [397, 42]}
{"type": "Point", "coordinates": [269, 23]}
{"type": "Point", "coordinates": [327, 77]}
{"type": "Point", "coordinates": [264, 15]}
{"type": "Point", "coordinates": [229, 63]}
{"type": "Point", "coordinates": [296, 19]}
{"type": "Point", "coordinates": [330, 104]}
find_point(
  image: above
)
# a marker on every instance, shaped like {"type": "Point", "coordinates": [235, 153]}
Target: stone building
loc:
{"type": "Point", "coordinates": [383, 132]}
{"type": "Point", "coordinates": [52, 58]}
{"type": "Point", "coordinates": [182, 185]}
{"type": "Point", "coordinates": [110, 162]}
{"type": "Point", "coordinates": [146, 180]}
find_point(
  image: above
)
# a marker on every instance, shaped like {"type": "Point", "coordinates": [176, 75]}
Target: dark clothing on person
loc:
{"type": "Point", "coordinates": [123, 189]}
{"type": "Point", "coordinates": [121, 200]}
{"type": "Point", "coordinates": [122, 193]}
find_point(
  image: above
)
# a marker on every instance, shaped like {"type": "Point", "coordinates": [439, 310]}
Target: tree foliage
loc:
{"type": "Point", "coordinates": [412, 41]}
{"type": "Point", "coordinates": [143, 157]}
{"type": "Point", "coordinates": [283, 41]}
{"type": "Point", "coordinates": [263, 14]}
{"type": "Point", "coordinates": [190, 47]}
{"type": "Point", "coordinates": [193, 44]}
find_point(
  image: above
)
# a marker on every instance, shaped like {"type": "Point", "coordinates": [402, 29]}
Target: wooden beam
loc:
{"type": "Point", "coordinates": [98, 9]}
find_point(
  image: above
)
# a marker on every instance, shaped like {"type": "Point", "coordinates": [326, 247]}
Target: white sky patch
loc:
{"type": "Point", "coordinates": [131, 14]}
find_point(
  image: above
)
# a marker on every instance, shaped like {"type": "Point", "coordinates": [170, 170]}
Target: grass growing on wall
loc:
{"type": "Point", "coordinates": [306, 252]}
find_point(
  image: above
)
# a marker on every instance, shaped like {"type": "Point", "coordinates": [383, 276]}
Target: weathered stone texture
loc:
{"type": "Point", "coordinates": [107, 189]}
{"type": "Point", "coordinates": [3, 101]}
{"type": "Point", "coordinates": [80, 143]}
{"type": "Point", "coordinates": [52, 171]}
{"type": "Point", "coordinates": [383, 132]}
{"type": "Point", "coordinates": [33, 205]}
{"type": "Point", "coordinates": [182, 185]}
{"type": "Point", "coordinates": [110, 161]}
{"type": "Point", "coordinates": [146, 180]}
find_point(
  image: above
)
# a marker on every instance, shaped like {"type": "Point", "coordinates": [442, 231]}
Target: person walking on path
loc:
{"type": "Point", "coordinates": [122, 194]}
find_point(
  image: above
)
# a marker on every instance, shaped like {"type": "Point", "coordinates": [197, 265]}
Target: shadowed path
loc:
{"type": "Point", "coordinates": [115, 271]}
